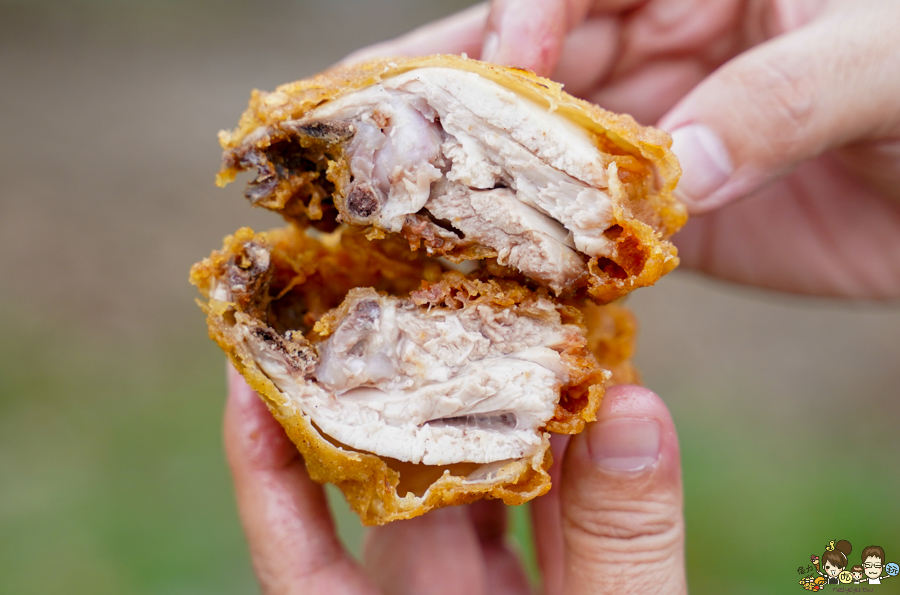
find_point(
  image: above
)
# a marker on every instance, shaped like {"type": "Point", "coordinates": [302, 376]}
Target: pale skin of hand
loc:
{"type": "Point", "coordinates": [786, 118]}
{"type": "Point", "coordinates": [611, 524]}
{"type": "Point", "coordinates": [785, 115]}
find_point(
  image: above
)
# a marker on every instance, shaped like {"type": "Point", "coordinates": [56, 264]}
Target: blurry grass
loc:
{"type": "Point", "coordinates": [522, 539]}
{"type": "Point", "coordinates": [756, 508]}
{"type": "Point", "coordinates": [114, 481]}
{"type": "Point", "coordinates": [112, 472]}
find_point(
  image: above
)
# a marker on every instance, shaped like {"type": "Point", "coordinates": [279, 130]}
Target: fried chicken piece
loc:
{"type": "Point", "coordinates": [408, 385]}
{"type": "Point", "coordinates": [470, 161]}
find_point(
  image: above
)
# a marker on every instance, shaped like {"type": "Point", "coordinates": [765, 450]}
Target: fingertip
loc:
{"type": "Point", "coordinates": [626, 444]}
{"type": "Point", "coordinates": [632, 400]}
{"type": "Point", "coordinates": [705, 165]}
{"type": "Point", "coordinates": [526, 34]}
{"type": "Point", "coordinates": [630, 453]}
{"type": "Point", "coordinates": [242, 401]}
{"type": "Point", "coordinates": [238, 389]}
{"type": "Point", "coordinates": [459, 33]}
{"type": "Point", "coordinates": [634, 432]}
{"type": "Point", "coordinates": [778, 104]}
{"type": "Point", "coordinates": [621, 499]}
{"type": "Point", "coordinates": [490, 47]}
{"type": "Point", "coordinates": [253, 438]}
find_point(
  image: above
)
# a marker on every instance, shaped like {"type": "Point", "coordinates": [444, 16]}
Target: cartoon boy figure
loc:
{"type": "Point", "coordinates": [873, 563]}
{"type": "Point", "coordinates": [857, 572]}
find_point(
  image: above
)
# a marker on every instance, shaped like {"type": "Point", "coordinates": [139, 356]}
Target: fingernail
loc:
{"type": "Point", "coordinates": [624, 444]}
{"type": "Point", "coordinates": [704, 161]}
{"type": "Point", "coordinates": [490, 46]}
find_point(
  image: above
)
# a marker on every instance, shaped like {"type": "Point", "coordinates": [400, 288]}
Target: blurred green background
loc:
{"type": "Point", "coordinates": [112, 476]}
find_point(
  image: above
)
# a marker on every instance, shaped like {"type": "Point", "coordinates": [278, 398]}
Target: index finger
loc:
{"type": "Point", "coordinates": [530, 33]}
{"type": "Point", "coordinates": [284, 513]}
{"type": "Point", "coordinates": [460, 33]}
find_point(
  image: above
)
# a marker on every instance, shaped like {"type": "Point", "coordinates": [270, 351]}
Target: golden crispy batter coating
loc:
{"type": "Point", "coordinates": [612, 337]}
{"type": "Point", "coordinates": [305, 174]}
{"type": "Point", "coordinates": [280, 294]}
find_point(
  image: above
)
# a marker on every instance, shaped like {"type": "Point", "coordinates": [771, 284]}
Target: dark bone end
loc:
{"type": "Point", "coordinates": [330, 132]}
{"type": "Point", "coordinates": [363, 202]}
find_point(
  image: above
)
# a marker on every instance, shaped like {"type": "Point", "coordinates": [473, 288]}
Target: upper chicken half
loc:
{"type": "Point", "coordinates": [470, 161]}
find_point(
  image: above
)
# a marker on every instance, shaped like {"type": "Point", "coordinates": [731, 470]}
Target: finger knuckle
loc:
{"type": "Point", "coordinates": [627, 526]}
{"type": "Point", "coordinates": [783, 94]}
{"type": "Point", "coordinates": [299, 578]}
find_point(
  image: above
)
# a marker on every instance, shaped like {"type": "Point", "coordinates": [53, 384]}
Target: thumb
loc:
{"type": "Point", "coordinates": [621, 500]}
{"type": "Point", "coordinates": [790, 99]}
{"type": "Point", "coordinates": [530, 33]}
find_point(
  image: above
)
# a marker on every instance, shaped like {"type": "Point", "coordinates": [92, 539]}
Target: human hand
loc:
{"type": "Point", "coordinates": [612, 522]}
{"type": "Point", "coordinates": [785, 115]}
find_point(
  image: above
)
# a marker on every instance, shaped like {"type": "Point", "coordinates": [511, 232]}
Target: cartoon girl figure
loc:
{"type": "Point", "coordinates": [834, 560]}
{"type": "Point", "coordinates": [857, 572]}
